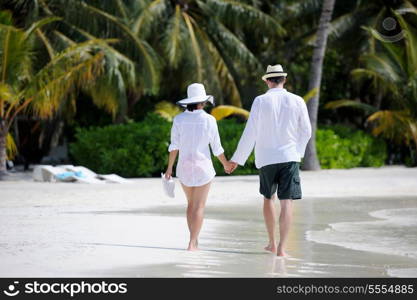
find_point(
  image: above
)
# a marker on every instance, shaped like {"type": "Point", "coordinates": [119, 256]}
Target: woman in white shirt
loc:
{"type": "Point", "coordinates": [191, 134]}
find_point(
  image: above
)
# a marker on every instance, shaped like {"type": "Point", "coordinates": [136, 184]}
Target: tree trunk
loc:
{"type": "Point", "coordinates": [311, 161]}
{"type": "Point", "coordinates": [3, 135]}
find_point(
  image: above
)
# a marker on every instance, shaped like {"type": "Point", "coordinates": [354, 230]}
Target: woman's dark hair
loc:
{"type": "Point", "coordinates": [191, 107]}
{"type": "Point", "coordinates": [277, 79]}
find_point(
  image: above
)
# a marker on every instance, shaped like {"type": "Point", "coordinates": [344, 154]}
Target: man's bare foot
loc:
{"type": "Point", "coordinates": [281, 252]}
{"type": "Point", "coordinates": [272, 247]}
{"type": "Point", "coordinates": [192, 246]}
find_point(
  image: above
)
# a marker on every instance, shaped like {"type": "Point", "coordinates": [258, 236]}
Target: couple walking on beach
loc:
{"type": "Point", "coordinates": [278, 128]}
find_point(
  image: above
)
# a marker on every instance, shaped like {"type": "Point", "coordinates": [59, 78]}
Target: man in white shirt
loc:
{"type": "Point", "coordinates": [279, 129]}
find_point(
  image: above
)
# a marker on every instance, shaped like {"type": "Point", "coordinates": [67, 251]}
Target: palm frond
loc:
{"type": "Point", "coordinates": [109, 91]}
{"type": "Point", "coordinates": [351, 103]}
{"type": "Point", "coordinates": [385, 67]}
{"type": "Point", "coordinates": [11, 148]}
{"type": "Point", "coordinates": [78, 66]}
{"type": "Point", "coordinates": [149, 15]}
{"type": "Point", "coordinates": [393, 124]}
{"type": "Point", "coordinates": [174, 38]}
{"type": "Point", "coordinates": [122, 9]}
{"type": "Point", "coordinates": [167, 110]}
{"type": "Point", "coordinates": [302, 8]}
{"type": "Point", "coordinates": [15, 55]}
{"type": "Point", "coordinates": [46, 42]}
{"type": "Point", "coordinates": [379, 82]}
{"type": "Point", "coordinates": [234, 12]}
{"type": "Point", "coordinates": [195, 46]}
{"type": "Point", "coordinates": [222, 71]}
{"type": "Point", "coordinates": [232, 46]}
{"type": "Point", "coordinates": [310, 94]}
{"type": "Point", "coordinates": [149, 64]}
{"type": "Point", "coordinates": [223, 111]}
{"type": "Point", "coordinates": [38, 24]}
{"type": "Point", "coordinates": [408, 7]}
{"type": "Point", "coordinates": [6, 18]}
{"type": "Point", "coordinates": [410, 43]}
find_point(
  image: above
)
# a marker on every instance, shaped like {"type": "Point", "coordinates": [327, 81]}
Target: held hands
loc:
{"type": "Point", "coordinates": [230, 167]}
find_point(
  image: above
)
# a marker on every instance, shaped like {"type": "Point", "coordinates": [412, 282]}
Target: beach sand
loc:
{"type": "Point", "coordinates": [351, 223]}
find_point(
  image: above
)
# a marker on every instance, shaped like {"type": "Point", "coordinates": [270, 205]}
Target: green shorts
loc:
{"type": "Point", "coordinates": [283, 176]}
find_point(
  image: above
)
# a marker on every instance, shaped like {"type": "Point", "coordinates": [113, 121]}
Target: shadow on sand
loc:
{"type": "Point", "coordinates": [176, 249]}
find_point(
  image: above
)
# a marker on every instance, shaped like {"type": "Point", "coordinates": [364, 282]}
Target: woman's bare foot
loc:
{"type": "Point", "coordinates": [193, 246]}
{"type": "Point", "coordinates": [272, 247]}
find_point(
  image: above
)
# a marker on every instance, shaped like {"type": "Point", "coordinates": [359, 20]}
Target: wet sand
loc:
{"type": "Point", "coordinates": [132, 230]}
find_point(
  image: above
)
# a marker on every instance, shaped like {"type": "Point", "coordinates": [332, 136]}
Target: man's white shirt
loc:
{"type": "Point", "coordinates": [278, 127]}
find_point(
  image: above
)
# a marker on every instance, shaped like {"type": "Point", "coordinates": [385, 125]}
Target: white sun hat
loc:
{"type": "Point", "coordinates": [196, 93]}
{"type": "Point", "coordinates": [274, 71]}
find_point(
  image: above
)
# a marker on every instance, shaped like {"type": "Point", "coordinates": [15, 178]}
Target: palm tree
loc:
{"type": "Point", "coordinates": [345, 27]}
{"type": "Point", "coordinates": [191, 40]}
{"type": "Point", "coordinates": [300, 18]}
{"type": "Point", "coordinates": [390, 73]}
{"type": "Point", "coordinates": [40, 91]}
{"type": "Point", "coordinates": [311, 161]}
{"type": "Point", "coordinates": [131, 67]}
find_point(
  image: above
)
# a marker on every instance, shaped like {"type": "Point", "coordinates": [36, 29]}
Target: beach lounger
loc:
{"type": "Point", "coordinates": [114, 178]}
{"type": "Point", "coordinates": [37, 173]}
{"type": "Point", "coordinates": [87, 172]}
{"type": "Point", "coordinates": [89, 180]}
{"type": "Point", "coordinates": [70, 173]}
{"type": "Point", "coordinates": [110, 178]}
{"type": "Point", "coordinates": [50, 174]}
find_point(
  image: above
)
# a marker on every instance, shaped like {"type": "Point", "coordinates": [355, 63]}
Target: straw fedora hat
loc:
{"type": "Point", "coordinates": [196, 93]}
{"type": "Point", "coordinates": [274, 71]}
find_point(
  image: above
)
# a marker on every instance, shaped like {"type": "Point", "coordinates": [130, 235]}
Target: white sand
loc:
{"type": "Point", "coordinates": [66, 229]}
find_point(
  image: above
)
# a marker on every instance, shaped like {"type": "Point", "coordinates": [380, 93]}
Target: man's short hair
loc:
{"type": "Point", "coordinates": [277, 80]}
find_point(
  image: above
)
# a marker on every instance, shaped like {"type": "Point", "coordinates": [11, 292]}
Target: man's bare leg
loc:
{"type": "Point", "coordinates": [270, 222]}
{"type": "Point", "coordinates": [199, 198]}
{"type": "Point", "coordinates": [285, 219]}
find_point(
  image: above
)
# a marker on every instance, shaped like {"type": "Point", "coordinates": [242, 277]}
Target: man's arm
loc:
{"type": "Point", "coordinates": [304, 134]}
{"type": "Point", "coordinates": [248, 138]}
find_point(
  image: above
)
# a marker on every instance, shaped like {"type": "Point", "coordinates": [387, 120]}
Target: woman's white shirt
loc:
{"type": "Point", "coordinates": [191, 134]}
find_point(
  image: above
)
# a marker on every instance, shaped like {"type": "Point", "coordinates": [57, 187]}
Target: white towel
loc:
{"type": "Point", "coordinates": [168, 186]}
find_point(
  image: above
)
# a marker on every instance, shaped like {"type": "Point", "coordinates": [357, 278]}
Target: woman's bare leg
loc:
{"type": "Point", "coordinates": [188, 190]}
{"type": "Point", "coordinates": [199, 198]}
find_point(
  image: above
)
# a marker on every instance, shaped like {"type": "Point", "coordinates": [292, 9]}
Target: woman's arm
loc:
{"type": "Point", "coordinates": [217, 148]}
{"type": "Point", "coordinates": [226, 164]}
{"type": "Point", "coordinates": [171, 161]}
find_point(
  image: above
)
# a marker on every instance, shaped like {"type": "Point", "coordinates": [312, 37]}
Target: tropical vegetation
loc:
{"type": "Point", "coordinates": [139, 149]}
{"type": "Point", "coordinates": [97, 64]}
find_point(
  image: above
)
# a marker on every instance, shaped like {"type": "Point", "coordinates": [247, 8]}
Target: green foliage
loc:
{"type": "Point", "coordinates": [341, 147]}
{"type": "Point", "coordinates": [130, 150]}
{"type": "Point", "coordinates": [140, 149]}
{"type": "Point", "coordinates": [230, 132]}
